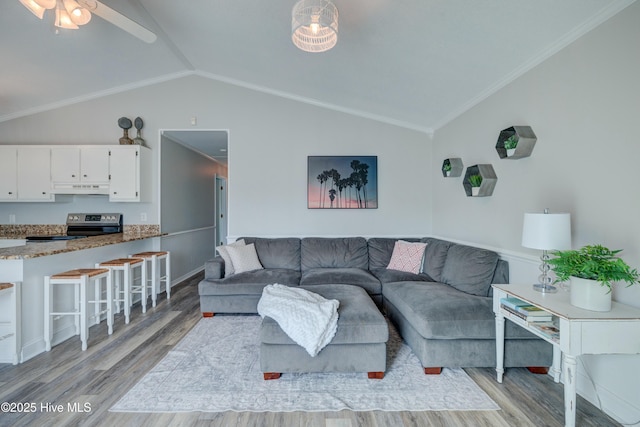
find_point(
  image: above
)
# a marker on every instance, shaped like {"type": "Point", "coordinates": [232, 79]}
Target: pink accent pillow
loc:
{"type": "Point", "coordinates": [407, 256]}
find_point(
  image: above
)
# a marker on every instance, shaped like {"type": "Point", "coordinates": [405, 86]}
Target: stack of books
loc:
{"type": "Point", "coordinates": [548, 329]}
{"type": "Point", "coordinates": [524, 310]}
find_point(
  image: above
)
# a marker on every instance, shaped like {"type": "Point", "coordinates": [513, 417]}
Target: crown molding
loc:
{"type": "Point", "coordinates": [316, 103]}
{"type": "Point", "coordinates": [94, 95]}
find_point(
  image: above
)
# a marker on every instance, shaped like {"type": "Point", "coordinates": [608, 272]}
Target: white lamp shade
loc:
{"type": "Point", "coordinates": [546, 231]}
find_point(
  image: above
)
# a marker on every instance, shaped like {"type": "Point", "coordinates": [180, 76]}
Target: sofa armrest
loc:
{"type": "Point", "coordinates": [214, 268]}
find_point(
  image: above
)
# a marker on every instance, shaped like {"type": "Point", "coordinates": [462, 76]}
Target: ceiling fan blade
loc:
{"type": "Point", "coordinates": [119, 20]}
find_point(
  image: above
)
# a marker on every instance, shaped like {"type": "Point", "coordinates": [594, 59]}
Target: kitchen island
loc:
{"type": "Point", "coordinates": [28, 263]}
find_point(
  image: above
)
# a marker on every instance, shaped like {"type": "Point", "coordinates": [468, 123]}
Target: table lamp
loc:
{"type": "Point", "coordinates": [546, 231]}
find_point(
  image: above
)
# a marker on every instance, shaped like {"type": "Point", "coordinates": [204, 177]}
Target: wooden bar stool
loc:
{"type": "Point", "coordinates": [156, 277]}
{"type": "Point", "coordinates": [10, 321]}
{"type": "Point", "coordinates": [80, 279]}
{"type": "Point", "coordinates": [124, 268]}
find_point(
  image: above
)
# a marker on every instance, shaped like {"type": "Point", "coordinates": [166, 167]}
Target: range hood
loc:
{"type": "Point", "coordinates": [60, 188]}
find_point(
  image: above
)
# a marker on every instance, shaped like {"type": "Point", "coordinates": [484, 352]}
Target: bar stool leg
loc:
{"type": "Point", "coordinates": [154, 279]}
{"type": "Point", "coordinates": [84, 327]}
{"type": "Point", "coordinates": [143, 285]}
{"type": "Point", "coordinates": [76, 307]}
{"type": "Point", "coordinates": [48, 308]}
{"type": "Point", "coordinates": [109, 302]}
{"type": "Point", "coordinates": [118, 288]}
{"type": "Point", "coordinates": [127, 294]}
{"type": "Point", "coordinates": [97, 305]}
{"type": "Point", "coordinates": [167, 274]}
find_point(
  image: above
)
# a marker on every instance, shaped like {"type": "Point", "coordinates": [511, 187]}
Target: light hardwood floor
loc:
{"type": "Point", "coordinates": [112, 364]}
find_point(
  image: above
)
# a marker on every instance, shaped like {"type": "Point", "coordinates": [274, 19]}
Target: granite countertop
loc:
{"type": "Point", "coordinates": [39, 249]}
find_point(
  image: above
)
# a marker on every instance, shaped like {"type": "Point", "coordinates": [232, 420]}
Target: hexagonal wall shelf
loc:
{"type": "Point", "coordinates": [523, 136]}
{"type": "Point", "coordinates": [489, 180]}
{"type": "Point", "coordinates": [456, 167]}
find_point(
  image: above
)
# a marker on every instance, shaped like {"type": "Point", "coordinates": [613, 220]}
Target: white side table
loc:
{"type": "Point", "coordinates": [580, 332]}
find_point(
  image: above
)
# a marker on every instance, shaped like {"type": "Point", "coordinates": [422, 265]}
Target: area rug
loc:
{"type": "Point", "coordinates": [216, 368]}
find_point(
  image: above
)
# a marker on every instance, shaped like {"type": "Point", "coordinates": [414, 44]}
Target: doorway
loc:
{"type": "Point", "coordinates": [194, 175]}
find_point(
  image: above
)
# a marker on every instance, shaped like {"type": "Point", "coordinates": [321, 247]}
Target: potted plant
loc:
{"type": "Point", "coordinates": [510, 144]}
{"type": "Point", "coordinates": [446, 167]}
{"type": "Point", "coordinates": [475, 181]}
{"type": "Point", "coordinates": [592, 270]}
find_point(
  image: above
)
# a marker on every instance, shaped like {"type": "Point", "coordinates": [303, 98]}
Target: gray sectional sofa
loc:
{"type": "Point", "coordinates": [444, 312]}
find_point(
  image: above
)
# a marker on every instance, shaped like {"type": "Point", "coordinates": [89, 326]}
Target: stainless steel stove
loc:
{"type": "Point", "coordinates": [81, 225]}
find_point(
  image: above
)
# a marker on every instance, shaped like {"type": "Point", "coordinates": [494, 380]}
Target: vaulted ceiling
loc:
{"type": "Point", "coordinates": [415, 63]}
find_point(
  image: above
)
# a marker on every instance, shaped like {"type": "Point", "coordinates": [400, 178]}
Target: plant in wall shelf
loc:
{"type": "Point", "coordinates": [475, 181]}
{"type": "Point", "coordinates": [592, 270]}
{"type": "Point", "coordinates": [446, 167]}
{"type": "Point", "coordinates": [510, 144]}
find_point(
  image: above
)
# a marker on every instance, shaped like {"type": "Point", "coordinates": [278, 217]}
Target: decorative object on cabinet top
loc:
{"type": "Point", "coordinates": [452, 167]}
{"type": "Point", "coordinates": [516, 142]}
{"type": "Point", "coordinates": [138, 123]}
{"type": "Point", "coordinates": [482, 177]}
{"type": "Point", "coordinates": [125, 124]}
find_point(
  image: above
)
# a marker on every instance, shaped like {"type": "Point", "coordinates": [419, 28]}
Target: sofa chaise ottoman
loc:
{"type": "Point", "coordinates": [360, 343]}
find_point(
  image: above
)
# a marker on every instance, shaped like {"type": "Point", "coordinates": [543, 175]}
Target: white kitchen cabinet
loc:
{"type": "Point", "coordinates": [80, 165]}
{"type": "Point", "coordinates": [25, 174]}
{"type": "Point", "coordinates": [34, 174]}
{"type": "Point", "coordinates": [8, 174]}
{"type": "Point", "coordinates": [128, 169]}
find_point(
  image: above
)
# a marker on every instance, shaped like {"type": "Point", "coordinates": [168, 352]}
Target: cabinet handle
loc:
{"type": "Point", "coordinates": [10, 192]}
{"type": "Point", "coordinates": [44, 192]}
{"type": "Point", "coordinates": [73, 176]}
{"type": "Point", "coordinates": [85, 175]}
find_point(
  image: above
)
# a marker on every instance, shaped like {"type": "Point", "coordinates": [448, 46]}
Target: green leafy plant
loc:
{"type": "Point", "coordinates": [511, 142]}
{"type": "Point", "coordinates": [475, 180]}
{"type": "Point", "coordinates": [446, 166]}
{"type": "Point", "coordinates": [593, 262]}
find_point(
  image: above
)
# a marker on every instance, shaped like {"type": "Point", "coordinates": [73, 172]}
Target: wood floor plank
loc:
{"type": "Point", "coordinates": [111, 365]}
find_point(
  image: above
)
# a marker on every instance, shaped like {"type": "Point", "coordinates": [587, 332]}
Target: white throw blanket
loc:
{"type": "Point", "coordinates": [306, 317]}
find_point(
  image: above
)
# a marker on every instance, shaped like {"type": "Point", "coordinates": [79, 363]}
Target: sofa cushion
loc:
{"type": "Point", "coordinates": [435, 256]}
{"type": "Point", "coordinates": [277, 252]}
{"type": "Point", "coordinates": [323, 252]}
{"type": "Point", "coordinates": [407, 256]}
{"type": "Point", "coordinates": [438, 311]}
{"type": "Point", "coordinates": [387, 276]}
{"type": "Point", "coordinates": [244, 258]}
{"type": "Point", "coordinates": [224, 253]}
{"type": "Point", "coordinates": [347, 276]}
{"type": "Point", "coordinates": [236, 283]}
{"type": "Point", "coordinates": [359, 320]}
{"type": "Point", "coordinates": [470, 269]}
{"type": "Point", "coordinates": [380, 250]}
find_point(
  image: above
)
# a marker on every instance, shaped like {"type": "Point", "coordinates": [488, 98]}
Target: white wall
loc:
{"type": "Point", "coordinates": [583, 104]}
{"type": "Point", "coordinates": [272, 138]}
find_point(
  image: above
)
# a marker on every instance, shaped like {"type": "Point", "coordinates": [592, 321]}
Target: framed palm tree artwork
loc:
{"type": "Point", "coordinates": [342, 182]}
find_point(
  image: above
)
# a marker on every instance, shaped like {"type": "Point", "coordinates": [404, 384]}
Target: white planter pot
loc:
{"type": "Point", "coordinates": [590, 295]}
{"type": "Point", "coordinates": [511, 152]}
{"type": "Point", "coordinates": [475, 191]}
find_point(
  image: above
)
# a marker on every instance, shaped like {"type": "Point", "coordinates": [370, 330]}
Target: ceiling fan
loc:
{"type": "Point", "coordinates": [72, 13]}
